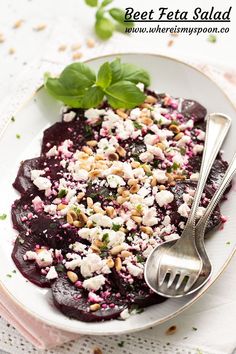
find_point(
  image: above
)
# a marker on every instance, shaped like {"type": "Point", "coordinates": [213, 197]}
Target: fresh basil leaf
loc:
{"type": "Point", "coordinates": [104, 75]}
{"type": "Point", "coordinates": [104, 28]}
{"type": "Point", "coordinates": [100, 13]}
{"type": "Point", "coordinates": [124, 94]}
{"type": "Point", "coordinates": [116, 70]}
{"type": "Point", "coordinates": [106, 2]}
{"type": "Point", "coordinates": [92, 3]}
{"type": "Point", "coordinates": [135, 74]}
{"type": "Point", "coordinates": [77, 76]}
{"type": "Point", "coordinates": [93, 97]}
{"type": "Point", "coordinates": [119, 16]}
{"type": "Point", "coordinates": [56, 89]}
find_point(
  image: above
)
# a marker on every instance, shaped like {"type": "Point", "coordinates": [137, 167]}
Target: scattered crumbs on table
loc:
{"type": "Point", "coordinates": [62, 48]}
{"type": "Point", "coordinates": [194, 328]}
{"type": "Point", "coordinates": [212, 38]}
{"type": "Point", "coordinates": [171, 330]}
{"type": "Point", "coordinates": [77, 55]}
{"type": "Point", "coordinates": [228, 243]}
{"type": "Point", "coordinates": [185, 338]}
{"type": "Point", "coordinates": [18, 136]}
{"type": "Point", "coordinates": [121, 344]}
{"type": "Point", "coordinates": [39, 27]}
{"type": "Point", "coordinates": [9, 275]}
{"type": "Point", "coordinates": [75, 46]}
{"type": "Point", "coordinates": [3, 216]}
{"type": "Point", "coordinates": [170, 43]}
{"type": "Point", "coordinates": [97, 351]}
{"type": "Point", "coordinates": [13, 119]}
{"type": "Point", "coordinates": [11, 51]}
{"type": "Point", "coordinates": [14, 271]}
{"type": "Point", "coordinates": [18, 24]}
{"type": "Point", "coordinates": [90, 42]}
{"type": "Point", "coordinates": [2, 39]}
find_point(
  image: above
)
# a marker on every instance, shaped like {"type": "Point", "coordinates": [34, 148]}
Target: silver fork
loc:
{"type": "Point", "coordinates": [179, 263]}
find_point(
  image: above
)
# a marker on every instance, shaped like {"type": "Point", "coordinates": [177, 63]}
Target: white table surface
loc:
{"type": "Point", "coordinates": [31, 46]}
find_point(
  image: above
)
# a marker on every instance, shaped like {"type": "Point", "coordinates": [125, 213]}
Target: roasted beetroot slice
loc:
{"type": "Point", "coordinates": [23, 181]}
{"type": "Point", "coordinates": [178, 190]}
{"type": "Point", "coordinates": [28, 269]}
{"type": "Point", "coordinates": [48, 229]}
{"type": "Point", "coordinates": [60, 131]}
{"type": "Point", "coordinates": [193, 109]}
{"type": "Point", "coordinates": [137, 293]}
{"type": "Point", "coordinates": [73, 303]}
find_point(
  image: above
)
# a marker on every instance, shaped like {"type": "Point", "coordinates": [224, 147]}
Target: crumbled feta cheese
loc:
{"type": "Point", "coordinates": [201, 135]}
{"type": "Point", "coordinates": [125, 314]}
{"type": "Point", "coordinates": [42, 183]}
{"type": "Point", "coordinates": [37, 203]}
{"type": "Point", "coordinates": [166, 220]}
{"type": "Point", "coordinates": [200, 212]}
{"type": "Point", "coordinates": [94, 283]}
{"type": "Point", "coordinates": [187, 198]}
{"type": "Point", "coordinates": [77, 247]}
{"type": "Point", "coordinates": [194, 176]}
{"type": "Point", "coordinates": [92, 263]}
{"type": "Point", "coordinates": [52, 152]}
{"type": "Point", "coordinates": [93, 114]}
{"type": "Point", "coordinates": [134, 270]}
{"type": "Point", "coordinates": [146, 156]}
{"type": "Point", "coordinates": [171, 237]}
{"type": "Point", "coordinates": [36, 173]}
{"type": "Point", "coordinates": [197, 149]}
{"type": "Point", "coordinates": [156, 151]}
{"type": "Point", "coordinates": [135, 113]}
{"type": "Point", "coordinates": [115, 181]}
{"type": "Point", "coordinates": [160, 175]}
{"type": "Point", "coordinates": [184, 210]}
{"type": "Point", "coordinates": [52, 273]}
{"type": "Point", "coordinates": [44, 258]}
{"type": "Point", "coordinates": [68, 117]}
{"type": "Point", "coordinates": [50, 209]}
{"type": "Point", "coordinates": [101, 220]}
{"type": "Point", "coordinates": [74, 263]}
{"type": "Point", "coordinates": [164, 197]}
{"type": "Point", "coordinates": [30, 256]}
{"type": "Point", "coordinates": [149, 217]}
{"type": "Point", "coordinates": [140, 85]}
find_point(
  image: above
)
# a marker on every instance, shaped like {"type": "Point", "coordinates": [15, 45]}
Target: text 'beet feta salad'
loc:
{"type": "Point", "coordinates": [109, 186]}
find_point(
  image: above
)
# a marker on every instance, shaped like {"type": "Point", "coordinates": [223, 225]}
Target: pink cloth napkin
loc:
{"type": "Point", "coordinates": [37, 332]}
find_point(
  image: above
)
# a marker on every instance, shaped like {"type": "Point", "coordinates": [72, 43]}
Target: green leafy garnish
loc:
{"type": "Point", "coordinates": [140, 259]}
{"type": "Point", "coordinates": [18, 136]}
{"type": "Point", "coordinates": [212, 38]}
{"type": "Point", "coordinates": [79, 87]}
{"type": "Point", "coordinates": [137, 125]}
{"type": "Point", "coordinates": [3, 216]}
{"type": "Point", "coordinates": [175, 166]}
{"type": "Point", "coordinates": [121, 344]}
{"type": "Point", "coordinates": [105, 238]}
{"type": "Point", "coordinates": [116, 227]}
{"type": "Point", "coordinates": [135, 309]}
{"type": "Point", "coordinates": [62, 193]}
{"type": "Point", "coordinates": [108, 20]}
{"type": "Point", "coordinates": [13, 119]}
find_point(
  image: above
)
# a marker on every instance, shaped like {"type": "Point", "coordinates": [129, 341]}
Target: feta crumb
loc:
{"type": "Point", "coordinates": [200, 212]}
{"type": "Point", "coordinates": [44, 258]}
{"type": "Point", "coordinates": [36, 173]}
{"type": "Point", "coordinates": [125, 314]}
{"type": "Point", "coordinates": [149, 217]}
{"type": "Point", "coordinates": [68, 117]}
{"type": "Point", "coordinates": [50, 209]}
{"type": "Point", "coordinates": [194, 176]}
{"type": "Point", "coordinates": [42, 183]}
{"type": "Point", "coordinates": [52, 152]}
{"type": "Point", "coordinates": [146, 156]}
{"type": "Point", "coordinates": [197, 149]}
{"type": "Point", "coordinates": [135, 113]}
{"type": "Point", "coordinates": [30, 256]}
{"type": "Point", "coordinates": [134, 270]}
{"type": "Point", "coordinates": [160, 176]}
{"type": "Point", "coordinates": [94, 283]}
{"type": "Point", "coordinates": [74, 263]}
{"type": "Point", "coordinates": [93, 263]}
{"type": "Point", "coordinates": [164, 198]}
{"type": "Point", "coordinates": [184, 210]}
{"type": "Point", "coordinates": [52, 273]}
{"type": "Point", "coordinates": [115, 181]}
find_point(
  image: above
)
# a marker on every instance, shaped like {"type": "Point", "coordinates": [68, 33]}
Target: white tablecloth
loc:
{"type": "Point", "coordinates": [209, 325]}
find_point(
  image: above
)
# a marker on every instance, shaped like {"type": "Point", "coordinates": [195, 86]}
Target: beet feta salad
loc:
{"type": "Point", "coordinates": [110, 184]}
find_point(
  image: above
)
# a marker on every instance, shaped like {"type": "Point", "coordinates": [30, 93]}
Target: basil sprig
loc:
{"type": "Point", "coordinates": [108, 20]}
{"type": "Point", "coordinates": [79, 87]}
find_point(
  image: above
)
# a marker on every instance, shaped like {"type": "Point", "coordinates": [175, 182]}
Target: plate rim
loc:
{"type": "Point", "coordinates": [72, 329]}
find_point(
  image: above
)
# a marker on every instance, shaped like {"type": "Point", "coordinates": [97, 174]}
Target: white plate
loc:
{"type": "Point", "coordinates": [168, 75]}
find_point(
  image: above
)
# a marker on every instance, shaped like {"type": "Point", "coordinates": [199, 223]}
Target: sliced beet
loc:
{"type": "Point", "coordinates": [73, 302]}
{"type": "Point", "coordinates": [23, 182]}
{"type": "Point", "coordinates": [77, 131]}
{"type": "Point", "coordinates": [29, 269]}
{"type": "Point", "coordinates": [178, 190]}
{"type": "Point", "coordinates": [193, 109]}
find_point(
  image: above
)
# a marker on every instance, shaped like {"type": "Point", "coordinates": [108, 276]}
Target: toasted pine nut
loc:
{"type": "Point", "coordinates": [71, 216]}
{"type": "Point", "coordinates": [150, 99]}
{"type": "Point", "coordinates": [135, 164]}
{"type": "Point", "coordinates": [83, 218]}
{"type": "Point", "coordinates": [110, 211]}
{"type": "Point", "coordinates": [162, 187]}
{"type": "Point", "coordinates": [145, 105]}
{"type": "Point", "coordinates": [61, 206]}
{"type": "Point", "coordinates": [89, 202]}
{"type": "Point", "coordinates": [94, 307]}
{"type": "Point", "coordinates": [153, 181]}
{"type": "Point", "coordinates": [180, 177]}
{"type": "Point", "coordinates": [120, 190]}
{"type": "Point", "coordinates": [18, 24]}
{"type": "Point", "coordinates": [113, 157]}
{"type": "Point", "coordinates": [118, 264]}
{"type": "Point", "coordinates": [179, 136]}
{"type": "Point", "coordinates": [90, 42]}
{"type": "Point", "coordinates": [137, 219]}
{"type": "Point", "coordinates": [116, 249]}
{"type": "Point", "coordinates": [161, 146]}
{"type": "Point", "coordinates": [118, 172]}
{"type": "Point", "coordinates": [121, 200]}
{"type": "Point", "coordinates": [125, 193]}
{"type": "Point", "coordinates": [92, 143]}
{"type": "Point", "coordinates": [89, 224]}
{"type": "Point", "coordinates": [135, 188]}
{"type": "Point", "coordinates": [147, 121]}
{"type": "Point", "coordinates": [72, 276]}
{"type": "Point", "coordinates": [94, 173]}
{"type": "Point", "coordinates": [75, 46]}
{"type": "Point", "coordinates": [121, 114]}
{"type": "Point", "coordinates": [87, 150]}
{"type": "Point", "coordinates": [62, 48]}
{"type": "Point", "coordinates": [80, 196]}
{"type": "Point", "coordinates": [98, 210]}
{"type": "Point", "coordinates": [77, 55]}
{"type": "Point", "coordinates": [95, 249]}
{"type": "Point", "coordinates": [147, 230]}
{"type": "Point", "coordinates": [40, 27]}
{"type": "Point", "coordinates": [99, 157]}
{"type": "Point", "coordinates": [121, 151]}
{"type": "Point", "coordinates": [147, 168]}
{"type": "Point", "coordinates": [174, 128]}
{"type": "Point", "coordinates": [125, 254]}
{"type": "Point", "coordinates": [132, 182]}
{"type": "Point", "coordinates": [110, 263]}
{"type": "Point", "coordinates": [86, 167]}
{"type": "Point", "coordinates": [77, 223]}
{"type": "Point", "coordinates": [170, 177]}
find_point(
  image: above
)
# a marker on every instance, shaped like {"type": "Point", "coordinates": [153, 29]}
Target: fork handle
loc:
{"type": "Point", "coordinates": [202, 223]}
{"type": "Point", "coordinates": [217, 128]}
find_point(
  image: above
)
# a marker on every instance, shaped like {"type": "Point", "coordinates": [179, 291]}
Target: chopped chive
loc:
{"type": "Point", "coordinates": [18, 136]}
{"type": "Point", "coordinates": [3, 216]}
{"type": "Point", "coordinates": [13, 119]}
{"type": "Point", "coordinates": [212, 38]}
